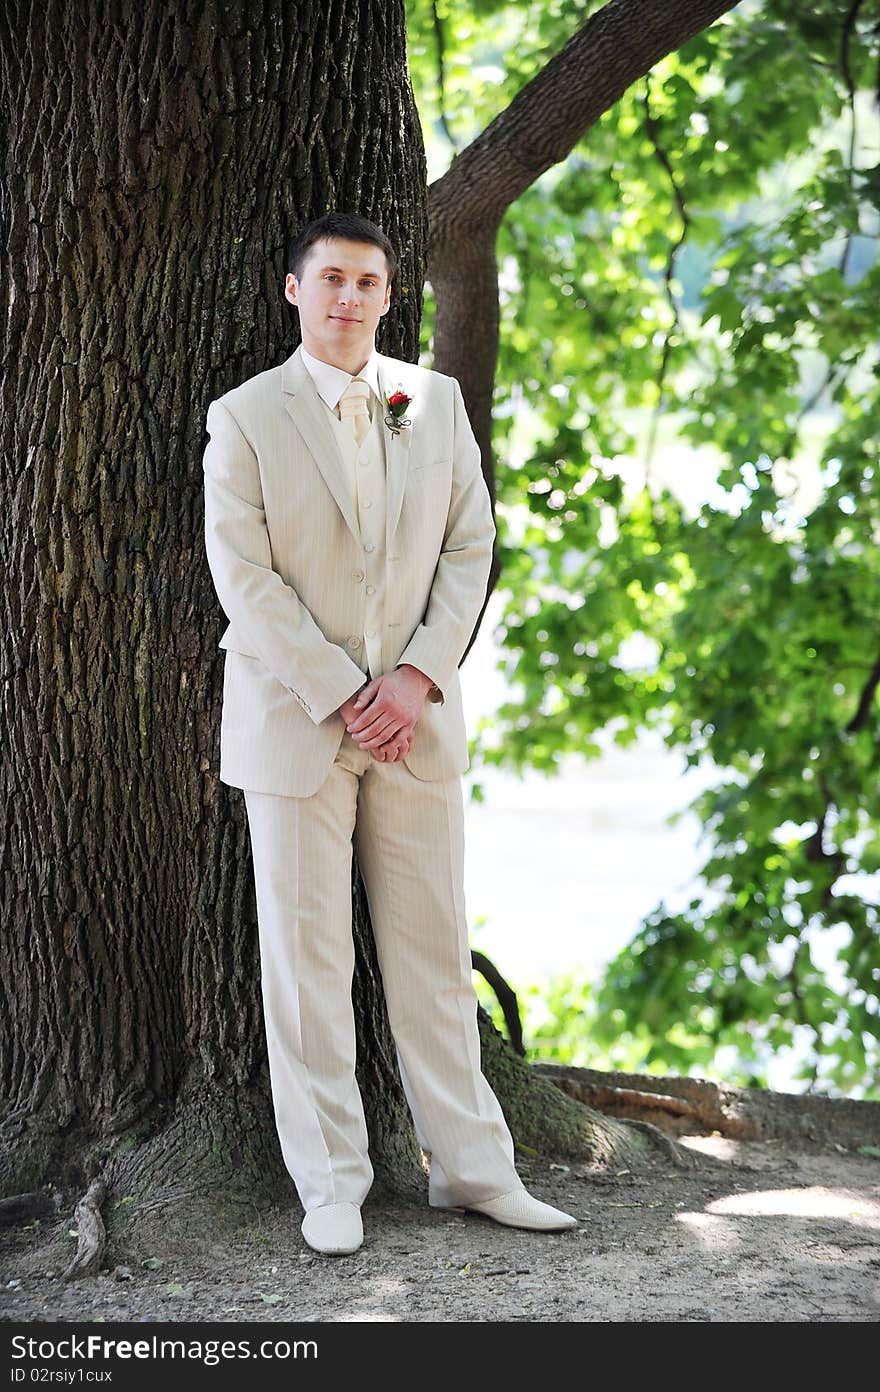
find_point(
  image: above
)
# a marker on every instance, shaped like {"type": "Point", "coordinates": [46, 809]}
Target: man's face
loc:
{"type": "Point", "coordinates": [341, 296]}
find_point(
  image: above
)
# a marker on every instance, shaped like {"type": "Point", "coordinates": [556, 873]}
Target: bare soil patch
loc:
{"type": "Point", "coordinates": [765, 1230]}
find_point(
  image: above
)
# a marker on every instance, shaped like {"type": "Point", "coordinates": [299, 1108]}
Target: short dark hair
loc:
{"type": "Point", "coordinates": [346, 225]}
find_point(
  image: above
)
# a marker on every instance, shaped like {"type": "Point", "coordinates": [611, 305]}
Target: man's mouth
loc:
{"type": "Point", "coordinates": [345, 318]}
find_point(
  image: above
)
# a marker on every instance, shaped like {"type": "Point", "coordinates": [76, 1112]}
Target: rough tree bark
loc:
{"type": "Point", "coordinates": [156, 161]}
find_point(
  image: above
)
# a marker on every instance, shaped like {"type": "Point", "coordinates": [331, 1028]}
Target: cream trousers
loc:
{"type": "Point", "coordinates": [408, 835]}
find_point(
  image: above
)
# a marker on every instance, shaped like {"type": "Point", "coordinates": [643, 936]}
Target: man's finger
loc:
{"type": "Point", "coordinates": [372, 720]}
{"type": "Point", "coordinates": [375, 738]}
{"type": "Point", "coordinates": [364, 717]}
{"type": "Point", "coordinates": [368, 723]}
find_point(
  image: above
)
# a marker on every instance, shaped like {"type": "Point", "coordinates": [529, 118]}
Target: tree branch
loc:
{"type": "Point", "coordinates": [619, 44]}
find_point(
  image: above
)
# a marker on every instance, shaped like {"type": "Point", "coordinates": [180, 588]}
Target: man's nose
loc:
{"type": "Point", "coordinates": [348, 293]}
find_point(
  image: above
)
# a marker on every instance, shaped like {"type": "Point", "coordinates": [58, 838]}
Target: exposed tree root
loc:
{"type": "Point", "coordinates": [684, 1159]}
{"type": "Point", "coordinates": [695, 1106]}
{"type": "Point", "coordinates": [17, 1208]}
{"type": "Point", "coordinates": [546, 1121]}
{"type": "Point", "coordinates": [92, 1237]}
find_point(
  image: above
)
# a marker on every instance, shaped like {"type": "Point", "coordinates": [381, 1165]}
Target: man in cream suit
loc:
{"type": "Point", "coordinates": [350, 546]}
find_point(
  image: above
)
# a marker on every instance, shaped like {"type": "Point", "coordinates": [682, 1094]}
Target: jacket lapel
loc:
{"type": "Point", "coordinates": [395, 373]}
{"type": "Point", "coordinates": [309, 415]}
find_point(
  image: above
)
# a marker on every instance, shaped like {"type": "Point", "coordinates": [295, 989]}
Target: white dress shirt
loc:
{"type": "Point", "coordinates": [331, 381]}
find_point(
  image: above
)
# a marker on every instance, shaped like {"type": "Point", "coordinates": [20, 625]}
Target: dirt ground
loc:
{"type": "Point", "coordinates": [767, 1231]}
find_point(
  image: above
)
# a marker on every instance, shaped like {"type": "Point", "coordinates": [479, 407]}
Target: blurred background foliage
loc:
{"type": "Point", "coordinates": [686, 434]}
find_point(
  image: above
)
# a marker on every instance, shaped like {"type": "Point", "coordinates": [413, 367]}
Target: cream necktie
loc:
{"type": "Point", "coordinates": [353, 406]}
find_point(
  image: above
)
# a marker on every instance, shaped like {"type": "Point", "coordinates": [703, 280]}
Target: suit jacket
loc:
{"type": "Point", "coordinates": [285, 555]}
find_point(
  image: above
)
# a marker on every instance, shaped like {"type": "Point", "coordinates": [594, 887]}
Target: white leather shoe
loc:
{"type": "Point", "coordinates": [520, 1209]}
{"type": "Point", "coordinates": [334, 1228]}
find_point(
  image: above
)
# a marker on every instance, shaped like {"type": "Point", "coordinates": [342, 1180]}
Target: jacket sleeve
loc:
{"type": "Point", "coordinates": [279, 627]}
{"type": "Point", "coordinates": [465, 560]}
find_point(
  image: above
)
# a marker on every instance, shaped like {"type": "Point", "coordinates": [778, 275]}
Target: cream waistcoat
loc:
{"type": "Point", "coordinates": [365, 473]}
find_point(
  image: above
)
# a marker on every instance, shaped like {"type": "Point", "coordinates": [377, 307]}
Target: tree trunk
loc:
{"type": "Point", "coordinates": [163, 156]}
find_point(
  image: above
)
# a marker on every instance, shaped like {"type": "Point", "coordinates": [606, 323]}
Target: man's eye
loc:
{"type": "Point", "coordinates": [370, 284]}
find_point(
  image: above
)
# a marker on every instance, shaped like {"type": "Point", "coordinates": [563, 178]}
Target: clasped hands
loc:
{"type": "Point", "coordinates": [382, 716]}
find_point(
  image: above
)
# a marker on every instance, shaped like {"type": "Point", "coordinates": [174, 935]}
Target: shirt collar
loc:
{"type": "Point", "coordinates": [331, 381]}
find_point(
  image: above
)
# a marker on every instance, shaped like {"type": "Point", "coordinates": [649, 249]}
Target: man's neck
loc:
{"type": "Point", "coordinates": [354, 366]}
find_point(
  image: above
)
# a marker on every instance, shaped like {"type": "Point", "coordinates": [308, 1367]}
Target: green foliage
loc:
{"type": "Point", "coordinates": [694, 292]}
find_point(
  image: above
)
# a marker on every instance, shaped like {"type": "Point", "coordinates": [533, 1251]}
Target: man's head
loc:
{"type": "Point", "coordinates": [339, 273]}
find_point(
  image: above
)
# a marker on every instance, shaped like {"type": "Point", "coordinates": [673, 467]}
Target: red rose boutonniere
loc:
{"type": "Point", "coordinates": [397, 402]}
